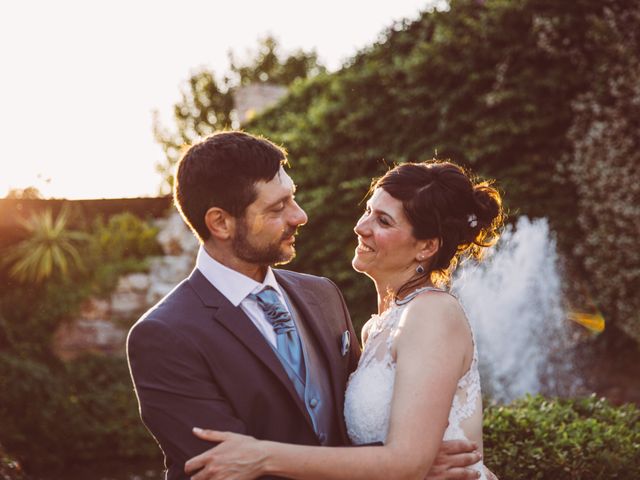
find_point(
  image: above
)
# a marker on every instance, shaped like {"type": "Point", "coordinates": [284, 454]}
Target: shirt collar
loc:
{"type": "Point", "coordinates": [235, 286]}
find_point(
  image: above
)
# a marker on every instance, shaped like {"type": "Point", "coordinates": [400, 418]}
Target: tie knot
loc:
{"type": "Point", "coordinates": [267, 295]}
{"type": "Point", "coordinates": [274, 310]}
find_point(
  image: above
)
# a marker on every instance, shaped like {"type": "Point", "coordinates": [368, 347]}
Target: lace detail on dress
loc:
{"type": "Point", "coordinates": [466, 398]}
{"type": "Point", "coordinates": [370, 388]}
{"type": "Point", "coordinates": [386, 324]}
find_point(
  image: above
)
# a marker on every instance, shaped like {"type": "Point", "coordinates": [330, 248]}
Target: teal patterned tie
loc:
{"type": "Point", "coordinates": [287, 339]}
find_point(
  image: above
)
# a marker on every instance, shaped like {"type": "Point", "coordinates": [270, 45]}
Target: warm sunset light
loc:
{"type": "Point", "coordinates": [405, 225]}
{"type": "Point", "coordinates": [81, 79]}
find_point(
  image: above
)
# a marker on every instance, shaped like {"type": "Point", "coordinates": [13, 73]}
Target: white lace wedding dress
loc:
{"type": "Point", "coordinates": [370, 388]}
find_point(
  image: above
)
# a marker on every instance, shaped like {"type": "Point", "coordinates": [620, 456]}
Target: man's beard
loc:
{"type": "Point", "coordinates": [271, 254]}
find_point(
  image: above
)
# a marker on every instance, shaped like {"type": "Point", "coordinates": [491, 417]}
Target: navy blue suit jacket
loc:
{"type": "Point", "coordinates": [196, 360]}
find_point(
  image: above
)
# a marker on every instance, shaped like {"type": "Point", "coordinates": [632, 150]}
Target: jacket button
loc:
{"type": "Point", "coordinates": [313, 402]}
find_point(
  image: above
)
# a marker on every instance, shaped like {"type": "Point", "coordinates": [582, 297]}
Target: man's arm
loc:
{"type": "Point", "coordinates": [175, 392]}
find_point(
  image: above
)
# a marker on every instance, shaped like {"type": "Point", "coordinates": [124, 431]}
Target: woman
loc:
{"type": "Point", "coordinates": [417, 381]}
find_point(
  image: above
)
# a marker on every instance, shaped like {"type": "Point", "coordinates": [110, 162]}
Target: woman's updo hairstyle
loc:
{"type": "Point", "coordinates": [443, 201]}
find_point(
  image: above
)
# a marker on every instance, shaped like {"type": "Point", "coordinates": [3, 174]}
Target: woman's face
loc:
{"type": "Point", "coordinates": [387, 249]}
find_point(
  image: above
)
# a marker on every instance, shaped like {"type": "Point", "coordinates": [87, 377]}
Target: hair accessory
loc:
{"type": "Point", "coordinates": [419, 269]}
{"type": "Point", "coordinates": [473, 220]}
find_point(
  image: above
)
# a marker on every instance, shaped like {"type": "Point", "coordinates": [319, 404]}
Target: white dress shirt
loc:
{"type": "Point", "coordinates": [237, 287]}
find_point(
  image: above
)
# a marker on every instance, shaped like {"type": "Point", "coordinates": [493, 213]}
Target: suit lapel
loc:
{"type": "Point", "coordinates": [311, 309]}
{"type": "Point", "coordinates": [240, 325]}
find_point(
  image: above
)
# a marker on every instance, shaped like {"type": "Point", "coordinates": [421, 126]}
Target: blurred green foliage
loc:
{"type": "Point", "coordinates": [489, 84]}
{"type": "Point", "coordinates": [475, 84]}
{"type": "Point", "coordinates": [604, 164]}
{"type": "Point", "coordinates": [30, 313]}
{"type": "Point", "coordinates": [124, 236]}
{"type": "Point", "coordinates": [207, 104]}
{"type": "Point", "coordinates": [57, 415]}
{"type": "Point", "coordinates": [49, 247]}
{"type": "Point", "coordinates": [540, 438]}
{"type": "Point", "coordinates": [54, 414]}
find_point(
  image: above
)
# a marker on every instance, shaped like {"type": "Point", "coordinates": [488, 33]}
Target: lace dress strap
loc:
{"type": "Point", "coordinates": [464, 405]}
{"type": "Point", "coordinates": [416, 292]}
{"type": "Point", "coordinates": [378, 344]}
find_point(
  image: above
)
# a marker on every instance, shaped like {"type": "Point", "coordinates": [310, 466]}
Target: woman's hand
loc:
{"type": "Point", "coordinates": [236, 456]}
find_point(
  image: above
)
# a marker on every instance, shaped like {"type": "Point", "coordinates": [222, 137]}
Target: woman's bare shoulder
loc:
{"type": "Point", "coordinates": [435, 311]}
{"type": "Point", "coordinates": [435, 322]}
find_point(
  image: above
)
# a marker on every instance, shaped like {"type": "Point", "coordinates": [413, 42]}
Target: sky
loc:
{"type": "Point", "coordinates": [81, 79]}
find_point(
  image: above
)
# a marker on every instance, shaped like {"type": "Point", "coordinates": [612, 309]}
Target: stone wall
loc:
{"type": "Point", "coordinates": [102, 323]}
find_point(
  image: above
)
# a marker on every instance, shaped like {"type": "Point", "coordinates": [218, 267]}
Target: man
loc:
{"type": "Point", "coordinates": [239, 346]}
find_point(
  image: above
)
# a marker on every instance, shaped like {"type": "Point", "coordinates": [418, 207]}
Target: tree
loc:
{"type": "Point", "coordinates": [495, 86]}
{"type": "Point", "coordinates": [49, 248]}
{"type": "Point", "coordinates": [476, 84]}
{"type": "Point", "coordinates": [24, 193]}
{"type": "Point", "coordinates": [267, 65]}
{"type": "Point", "coordinates": [604, 164]}
{"type": "Point", "coordinates": [207, 103]}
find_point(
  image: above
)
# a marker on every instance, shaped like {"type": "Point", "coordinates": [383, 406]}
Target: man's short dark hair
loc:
{"type": "Point", "coordinates": [221, 171]}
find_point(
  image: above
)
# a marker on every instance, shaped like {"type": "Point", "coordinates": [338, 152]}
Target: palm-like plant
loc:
{"type": "Point", "coordinates": [49, 248]}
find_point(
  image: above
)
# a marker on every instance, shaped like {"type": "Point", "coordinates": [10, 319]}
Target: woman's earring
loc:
{"type": "Point", "coordinates": [419, 269]}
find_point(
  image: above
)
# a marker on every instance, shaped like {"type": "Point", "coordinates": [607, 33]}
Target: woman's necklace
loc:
{"type": "Point", "coordinates": [413, 294]}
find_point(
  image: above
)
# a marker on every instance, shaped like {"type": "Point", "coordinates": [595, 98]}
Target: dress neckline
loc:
{"type": "Point", "coordinates": [416, 292]}
{"type": "Point", "coordinates": [378, 318]}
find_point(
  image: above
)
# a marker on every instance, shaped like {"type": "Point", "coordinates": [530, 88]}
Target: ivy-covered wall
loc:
{"type": "Point", "coordinates": [495, 85]}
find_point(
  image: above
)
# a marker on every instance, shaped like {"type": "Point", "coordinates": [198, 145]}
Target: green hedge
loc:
{"type": "Point", "coordinates": [55, 414]}
{"type": "Point", "coordinates": [539, 438]}
{"type": "Point", "coordinates": [59, 416]}
{"type": "Point", "coordinates": [53, 418]}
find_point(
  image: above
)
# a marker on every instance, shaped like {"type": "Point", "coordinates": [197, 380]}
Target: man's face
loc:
{"type": "Point", "coordinates": [265, 234]}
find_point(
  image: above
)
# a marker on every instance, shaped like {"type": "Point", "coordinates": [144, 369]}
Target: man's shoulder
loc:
{"type": "Point", "coordinates": [172, 306]}
{"type": "Point", "coordinates": [304, 278]}
{"type": "Point", "coordinates": [322, 287]}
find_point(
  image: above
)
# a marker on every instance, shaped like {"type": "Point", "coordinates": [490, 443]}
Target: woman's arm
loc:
{"type": "Point", "coordinates": [432, 351]}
